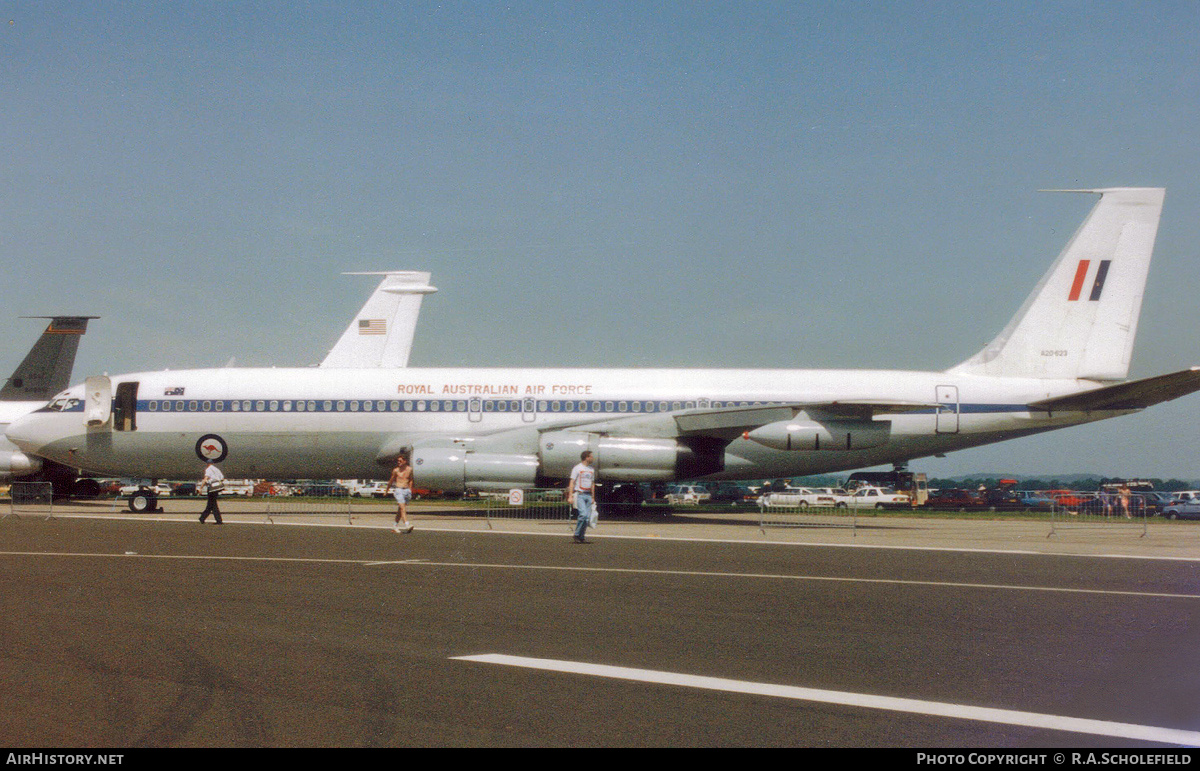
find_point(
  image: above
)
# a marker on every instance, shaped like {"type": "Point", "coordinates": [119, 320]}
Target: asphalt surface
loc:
{"type": "Point", "coordinates": [134, 632]}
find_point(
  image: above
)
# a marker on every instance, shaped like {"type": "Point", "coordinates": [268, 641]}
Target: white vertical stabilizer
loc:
{"type": "Point", "coordinates": [1081, 319]}
{"type": "Point", "coordinates": [381, 335]}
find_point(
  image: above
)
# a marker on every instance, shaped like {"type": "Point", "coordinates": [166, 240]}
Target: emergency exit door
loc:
{"type": "Point", "coordinates": [947, 412]}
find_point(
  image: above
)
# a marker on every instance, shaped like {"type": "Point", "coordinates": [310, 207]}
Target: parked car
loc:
{"type": "Point", "coordinates": [728, 492]}
{"type": "Point", "coordinates": [1182, 510]}
{"type": "Point", "coordinates": [688, 495]}
{"type": "Point", "coordinates": [1031, 499]}
{"type": "Point", "coordinates": [954, 499]}
{"type": "Point", "coordinates": [162, 489]}
{"type": "Point", "coordinates": [184, 489]}
{"type": "Point", "coordinates": [1070, 498]}
{"type": "Point", "coordinates": [879, 498]}
{"type": "Point", "coordinates": [799, 498]}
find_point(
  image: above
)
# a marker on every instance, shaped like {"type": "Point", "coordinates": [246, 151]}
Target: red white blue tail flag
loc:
{"type": "Point", "coordinates": [1081, 275]}
{"type": "Point", "coordinates": [372, 326]}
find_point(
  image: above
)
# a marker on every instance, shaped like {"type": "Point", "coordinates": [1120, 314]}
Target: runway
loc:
{"type": "Point", "coordinates": [128, 633]}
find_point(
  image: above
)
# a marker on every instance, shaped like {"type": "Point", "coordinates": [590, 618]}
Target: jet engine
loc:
{"type": "Point", "coordinates": [631, 458]}
{"type": "Point", "coordinates": [15, 463]}
{"type": "Point", "coordinates": [822, 436]}
{"type": "Point", "coordinates": [453, 470]}
{"type": "Point", "coordinates": [618, 459]}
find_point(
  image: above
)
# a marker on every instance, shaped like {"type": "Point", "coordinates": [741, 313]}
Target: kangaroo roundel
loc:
{"type": "Point", "coordinates": [211, 448]}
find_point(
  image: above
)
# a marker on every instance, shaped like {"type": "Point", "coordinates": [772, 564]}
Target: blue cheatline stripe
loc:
{"type": "Point", "coordinates": [499, 406]}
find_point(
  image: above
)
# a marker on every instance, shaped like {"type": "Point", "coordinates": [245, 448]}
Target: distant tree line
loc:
{"type": "Point", "coordinates": [1086, 484]}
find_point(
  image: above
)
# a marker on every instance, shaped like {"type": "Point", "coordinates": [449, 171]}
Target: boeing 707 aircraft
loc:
{"type": "Point", "coordinates": [1061, 361]}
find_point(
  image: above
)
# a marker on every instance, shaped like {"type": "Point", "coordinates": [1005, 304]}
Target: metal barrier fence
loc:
{"type": "Point", "coordinates": [31, 498]}
{"type": "Point", "coordinates": [537, 505]}
{"type": "Point", "coordinates": [803, 515]}
{"type": "Point", "coordinates": [1111, 511]}
{"type": "Point", "coordinates": [284, 505]}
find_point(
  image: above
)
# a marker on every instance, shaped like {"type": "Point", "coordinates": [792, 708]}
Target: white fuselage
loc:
{"type": "Point", "coordinates": [350, 423]}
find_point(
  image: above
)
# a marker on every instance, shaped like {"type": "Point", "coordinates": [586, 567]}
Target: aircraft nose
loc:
{"type": "Point", "coordinates": [29, 432]}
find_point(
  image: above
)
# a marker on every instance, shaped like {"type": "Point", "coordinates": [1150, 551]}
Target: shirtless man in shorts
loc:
{"type": "Point", "coordinates": [400, 485]}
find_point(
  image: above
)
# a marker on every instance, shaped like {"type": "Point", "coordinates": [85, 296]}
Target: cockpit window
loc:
{"type": "Point", "coordinates": [64, 403]}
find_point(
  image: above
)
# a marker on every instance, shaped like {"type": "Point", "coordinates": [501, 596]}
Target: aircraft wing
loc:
{"type": "Point", "coordinates": [1134, 395]}
{"type": "Point", "coordinates": [381, 335]}
{"type": "Point", "coordinates": [728, 423]}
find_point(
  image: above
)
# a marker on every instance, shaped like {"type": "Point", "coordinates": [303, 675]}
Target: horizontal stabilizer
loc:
{"type": "Point", "coordinates": [1134, 395]}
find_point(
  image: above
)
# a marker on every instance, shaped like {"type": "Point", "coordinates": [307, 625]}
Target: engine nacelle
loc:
{"type": "Point", "coordinates": [453, 470]}
{"type": "Point", "coordinates": [17, 464]}
{"type": "Point", "coordinates": [630, 458]}
{"type": "Point", "coordinates": [822, 436]}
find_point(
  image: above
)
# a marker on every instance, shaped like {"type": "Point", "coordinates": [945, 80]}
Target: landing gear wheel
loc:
{"type": "Point", "coordinates": [142, 503]}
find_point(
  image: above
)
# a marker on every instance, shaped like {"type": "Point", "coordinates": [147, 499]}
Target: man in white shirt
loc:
{"type": "Point", "coordinates": [213, 482]}
{"type": "Point", "coordinates": [581, 491]}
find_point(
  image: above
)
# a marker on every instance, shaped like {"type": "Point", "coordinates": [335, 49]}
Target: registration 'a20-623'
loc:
{"type": "Point", "coordinates": [1055, 353]}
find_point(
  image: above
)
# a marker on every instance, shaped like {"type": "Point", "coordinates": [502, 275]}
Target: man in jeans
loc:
{"type": "Point", "coordinates": [581, 493]}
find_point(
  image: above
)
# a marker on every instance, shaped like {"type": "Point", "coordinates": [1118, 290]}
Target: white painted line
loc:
{"type": "Point", "coordinates": [626, 571]}
{"type": "Point", "coordinates": [866, 701]}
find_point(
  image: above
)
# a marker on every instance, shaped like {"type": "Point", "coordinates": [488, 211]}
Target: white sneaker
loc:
{"type": "Point", "coordinates": [408, 529]}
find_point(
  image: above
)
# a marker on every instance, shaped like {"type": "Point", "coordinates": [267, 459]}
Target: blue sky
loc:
{"type": "Point", "coordinates": [626, 184]}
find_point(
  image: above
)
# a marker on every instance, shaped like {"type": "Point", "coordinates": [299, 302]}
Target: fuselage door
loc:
{"type": "Point", "coordinates": [125, 407]}
{"type": "Point", "coordinates": [528, 409]}
{"type": "Point", "coordinates": [97, 401]}
{"type": "Point", "coordinates": [947, 414]}
{"type": "Point", "coordinates": [475, 409]}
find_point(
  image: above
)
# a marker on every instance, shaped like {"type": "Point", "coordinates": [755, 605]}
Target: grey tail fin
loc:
{"type": "Point", "coordinates": [46, 369]}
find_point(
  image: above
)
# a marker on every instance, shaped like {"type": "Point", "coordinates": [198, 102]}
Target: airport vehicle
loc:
{"type": "Point", "coordinates": [44, 372]}
{"type": "Point", "coordinates": [1058, 363]}
{"type": "Point", "coordinates": [1182, 510]}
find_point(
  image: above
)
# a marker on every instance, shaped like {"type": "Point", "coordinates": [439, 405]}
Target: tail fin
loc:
{"type": "Point", "coordinates": [1081, 319]}
{"type": "Point", "coordinates": [381, 335]}
{"type": "Point", "coordinates": [46, 369]}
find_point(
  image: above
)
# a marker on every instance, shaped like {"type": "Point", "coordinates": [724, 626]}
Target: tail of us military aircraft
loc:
{"type": "Point", "coordinates": [46, 369]}
{"type": "Point", "coordinates": [381, 335]}
{"type": "Point", "coordinates": [1081, 319]}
